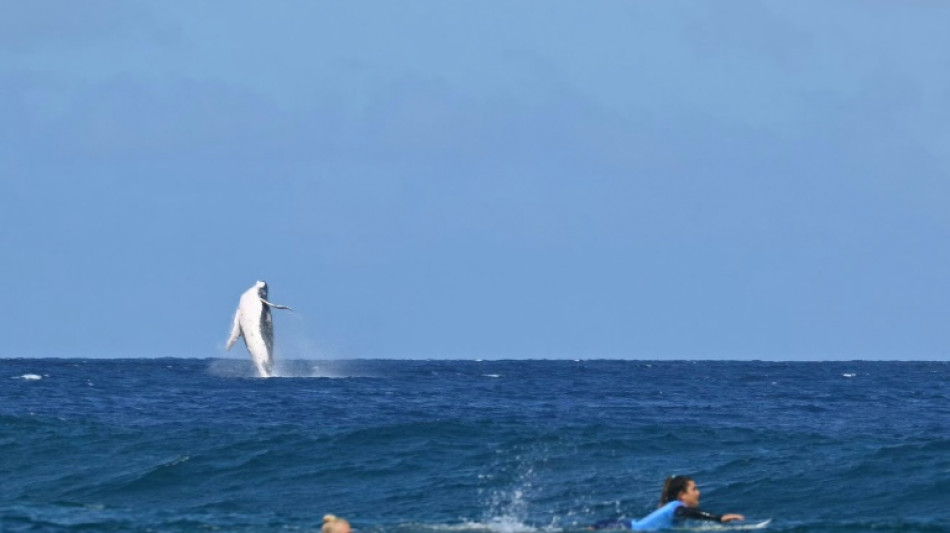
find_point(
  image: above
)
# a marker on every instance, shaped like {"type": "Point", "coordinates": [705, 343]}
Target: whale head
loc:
{"type": "Point", "coordinates": [261, 289]}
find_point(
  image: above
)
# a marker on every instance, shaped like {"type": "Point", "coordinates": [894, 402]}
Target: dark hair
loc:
{"type": "Point", "coordinates": [672, 488]}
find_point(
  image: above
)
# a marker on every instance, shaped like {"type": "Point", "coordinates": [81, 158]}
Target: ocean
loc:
{"type": "Point", "coordinates": [403, 446]}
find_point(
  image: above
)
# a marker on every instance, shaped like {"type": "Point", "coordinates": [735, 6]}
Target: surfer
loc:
{"type": "Point", "coordinates": [334, 524]}
{"type": "Point", "coordinates": [679, 501]}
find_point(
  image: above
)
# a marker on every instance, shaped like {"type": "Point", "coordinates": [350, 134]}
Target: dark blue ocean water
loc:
{"type": "Point", "coordinates": [499, 446]}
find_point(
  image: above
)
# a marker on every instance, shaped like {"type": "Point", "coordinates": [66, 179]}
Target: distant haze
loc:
{"type": "Point", "coordinates": [655, 180]}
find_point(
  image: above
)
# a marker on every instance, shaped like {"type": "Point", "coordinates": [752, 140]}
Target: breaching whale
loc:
{"type": "Point", "coordinates": [253, 321]}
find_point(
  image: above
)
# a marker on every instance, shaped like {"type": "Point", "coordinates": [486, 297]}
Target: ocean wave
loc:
{"type": "Point", "coordinates": [185, 445]}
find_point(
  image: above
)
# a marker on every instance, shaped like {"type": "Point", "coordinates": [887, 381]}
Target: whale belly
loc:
{"type": "Point", "coordinates": [258, 329]}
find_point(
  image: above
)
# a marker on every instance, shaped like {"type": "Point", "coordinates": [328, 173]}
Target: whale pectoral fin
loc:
{"type": "Point", "coordinates": [275, 306]}
{"type": "Point", "coordinates": [235, 330]}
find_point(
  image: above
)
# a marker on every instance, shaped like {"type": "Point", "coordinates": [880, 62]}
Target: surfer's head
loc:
{"type": "Point", "coordinates": [681, 488]}
{"type": "Point", "coordinates": [334, 524]}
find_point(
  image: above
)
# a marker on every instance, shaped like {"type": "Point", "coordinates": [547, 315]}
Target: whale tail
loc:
{"type": "Point", "coordinates": [235, 330]}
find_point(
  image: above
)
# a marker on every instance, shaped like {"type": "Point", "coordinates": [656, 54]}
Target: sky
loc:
{"type": "Point", "coordinates": [477, 179]}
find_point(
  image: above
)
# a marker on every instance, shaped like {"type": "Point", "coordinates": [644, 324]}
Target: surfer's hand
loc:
{"type": "Point", "coordinates": [732, 517]}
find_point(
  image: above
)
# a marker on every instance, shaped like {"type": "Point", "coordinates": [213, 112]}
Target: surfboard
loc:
{"type": "Point", "coordinates": [731, 526]}
{"type": "Point", "coordinates": [755, 525]}
{"type": "Point", "coordinates": [712, 526]}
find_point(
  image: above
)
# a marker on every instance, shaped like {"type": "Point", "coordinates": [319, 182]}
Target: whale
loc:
{"type": "Point", "coordinates": [254, 322]}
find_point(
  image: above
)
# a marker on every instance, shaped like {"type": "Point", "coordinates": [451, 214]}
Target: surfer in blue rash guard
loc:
{"type": "Point", "coordinates": [679, 501]}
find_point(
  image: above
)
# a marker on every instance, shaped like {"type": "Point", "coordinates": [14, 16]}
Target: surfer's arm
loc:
{"type": "Point", "coordinates": [235, 329]}
{"type": "Point", "coordinates": [275, 306]}
{"type": "Point", "coordinates": [695, 513]}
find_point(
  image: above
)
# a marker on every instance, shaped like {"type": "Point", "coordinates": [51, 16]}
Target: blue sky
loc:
{"type": "Point", "coordinates": [649, 180]}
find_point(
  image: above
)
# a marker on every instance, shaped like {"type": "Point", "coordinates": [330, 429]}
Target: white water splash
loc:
{"type": "Point", "coordinates": [312, 369]}
{"type": "Point", "coordinates": [243, 368]}
{"type": "Point", "coordinates": [494, 526]}
{"type": "Point", "coordinates": [232, 368]}
{"type": "Point", "coordinates": [508, 507]}
{"type": "Point", "coordinates": [509, 524]}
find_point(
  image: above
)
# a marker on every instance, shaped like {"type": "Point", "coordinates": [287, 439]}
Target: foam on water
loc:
{"type": "Point", "coordinates": [241, 368]}
{"type": "Point", "coordinates": [495, 525]}
{"type": "Point", "coordinates": [316, 369]}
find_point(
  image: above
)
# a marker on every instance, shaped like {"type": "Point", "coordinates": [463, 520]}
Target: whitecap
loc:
{"type": "Point", "coordinates": [509, 524]}
{"type": "Point", "coordinates": [849, 374]}
{"type": "Point", "coordinates": [176, 461]}
{"type": "Point", "coordinates": [29, 377]}
{"type": "Point", "coordinates": [501, 524]}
